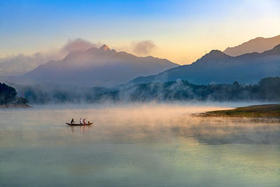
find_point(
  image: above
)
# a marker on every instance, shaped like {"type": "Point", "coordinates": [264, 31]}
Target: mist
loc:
{"type": "Point", "coordinates": [157, 122]}
{"type": "Point", "coordinates": [16, 65]}
{"type": "Point", "coordinates": [154, 122]}
{"type": "Point", "coordinates": [136, 144]}
{"type": "Point", "coordinates": [265, 91]}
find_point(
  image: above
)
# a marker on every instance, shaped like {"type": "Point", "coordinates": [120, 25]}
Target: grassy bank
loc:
{"type": "Point", "coordinates": [14, 106]}
{"type": "Point", "coordinates": [265, 111]}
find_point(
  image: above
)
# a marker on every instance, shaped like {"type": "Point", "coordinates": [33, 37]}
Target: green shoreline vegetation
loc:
{"type": "Point", "coordinates": [9, 98]}
{"type": "Point", "coordinates": [255, 111]}
{"type": "Point", "coordinates": [266, 90]}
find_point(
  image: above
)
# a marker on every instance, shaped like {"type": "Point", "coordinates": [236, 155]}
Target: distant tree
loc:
{"type": "Point", "coordinates": [236, 84]}
{"type": "Point", "coordinates": [269, 88]}
{"type": "Point", "coordinates": [21, 100]}
{"type": "Point", "coordinates": [7, 94]}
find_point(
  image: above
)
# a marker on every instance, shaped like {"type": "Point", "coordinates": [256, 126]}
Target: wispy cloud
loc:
{"type": "Point", "coordinates": [20, 64]}
{"type": "Point", "coordinates": [143, 47]}
{"type": "Point", "coordinates": [77, 45]}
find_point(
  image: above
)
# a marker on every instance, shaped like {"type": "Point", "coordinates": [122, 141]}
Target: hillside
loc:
{"type": "Point", "coordinates": [270, 110]}
{"type": "Point", "coordinates": [267, 89]}
{"type": "Point", "coordinates": [9, 98]}
{"type": "Point", "coordinates": [259, 45]}
{"type": "Point", "coordinates": [217, 67]}
{"type": "Point", "coordinates": [96, 67]}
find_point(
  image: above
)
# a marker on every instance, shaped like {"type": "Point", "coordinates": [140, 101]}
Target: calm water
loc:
{"type": "Point", "coordinates": [136, 145]}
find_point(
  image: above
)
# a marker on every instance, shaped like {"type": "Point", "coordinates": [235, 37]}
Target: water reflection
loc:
{"type": "Point", "coordinates": [147, 144]}
{"type": "Point", "coordinates": [82, 129]}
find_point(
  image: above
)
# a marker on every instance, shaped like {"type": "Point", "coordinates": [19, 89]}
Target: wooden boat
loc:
{"type": "Point", "coordinates": [78, 124]}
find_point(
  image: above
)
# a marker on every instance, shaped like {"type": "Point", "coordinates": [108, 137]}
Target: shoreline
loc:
{"type": "Point", "coordinates": [253, 111]}
{"type": "Point", "coordinates": [11, 106]}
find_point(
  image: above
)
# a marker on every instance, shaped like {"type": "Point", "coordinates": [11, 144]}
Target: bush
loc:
{"type": "Point", "coordinates": [7, 94]}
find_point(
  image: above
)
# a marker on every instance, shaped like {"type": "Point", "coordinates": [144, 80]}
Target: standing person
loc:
{"type": "Point", "coordinates": [72, 121]}
{"type": "Point", "coordinates": [81, 122]}
{"type": "Point", "coordinates": [84, 121]}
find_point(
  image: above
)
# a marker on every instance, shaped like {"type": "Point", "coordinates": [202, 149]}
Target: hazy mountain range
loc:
{"type": "Point", "coordinates": [217, 67]}
{"type": "Point", "coordinates": [96, 67]}
{"type": "Point", "coordinates": [259, 45]}
{"type": "Point", "coordinates": [85, 64]}
{"type": "Point", "coordinates": [20, 64]}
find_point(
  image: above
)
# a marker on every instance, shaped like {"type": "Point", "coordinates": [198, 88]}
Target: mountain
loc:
{"type": "Point", "coordinates": [217, 67]}
{"type": "Point", "coordinates": [96, 67]}
{"type": "Point", "coordinates": [255, 45]}
{"type": "Point", "coordinates": [20, 64]}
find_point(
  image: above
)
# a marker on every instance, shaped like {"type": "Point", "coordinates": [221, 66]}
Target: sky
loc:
{"type": "Point", "coordinates": [180, 30]}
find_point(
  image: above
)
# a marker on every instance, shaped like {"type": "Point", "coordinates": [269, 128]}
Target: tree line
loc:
{"type": "Point", "coordinates": [267, 89]}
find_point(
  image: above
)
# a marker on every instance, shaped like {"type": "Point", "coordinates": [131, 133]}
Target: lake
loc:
{"type": "Point", "coordinates": [136, 145]}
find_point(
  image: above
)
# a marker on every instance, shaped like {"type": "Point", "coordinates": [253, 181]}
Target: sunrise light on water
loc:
{"type": "Point", "coordinates": [140, 93]}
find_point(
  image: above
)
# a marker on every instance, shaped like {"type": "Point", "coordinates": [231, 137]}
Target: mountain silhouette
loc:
{"type": "Point", "coordinates": [259, 45]}
{"type": "Point", "coordinates": [96, 67]}
{"type": "Point", "coordinates": [217, 67]}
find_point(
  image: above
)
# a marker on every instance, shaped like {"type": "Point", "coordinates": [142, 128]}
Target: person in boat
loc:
{"type": "Point", "coordinates": [84, 121]}
{"type": "Point", "coordinates": [72, 121]}
{"type": "Point", "coordinates": [81, 122]}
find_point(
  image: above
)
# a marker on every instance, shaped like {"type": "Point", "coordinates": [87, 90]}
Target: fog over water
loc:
{"type": "Point", "coordinates": [137, 144]}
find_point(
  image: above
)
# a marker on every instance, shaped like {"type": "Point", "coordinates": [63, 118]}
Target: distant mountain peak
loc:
{"type": "Point", "coordinates": [97, 67]}
{"type": "Point", "coordinates": [105, 47]}
{"type": "Point", "coordinates": [277, 47]}
{"type": "Point", "coordinates": [217, 67]}
{"type": "Point", "coordinates": [259, 45]}
{"type": "Point", "coordinates": [274, 51]}
{"type": "Point", "coordinates": [214, 55]}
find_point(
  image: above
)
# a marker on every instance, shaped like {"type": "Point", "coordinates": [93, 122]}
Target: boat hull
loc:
{"type": "Point", "coordinates": [78, 124]}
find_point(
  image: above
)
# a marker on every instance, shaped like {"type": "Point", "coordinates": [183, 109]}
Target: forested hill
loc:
{"type": "Point", "coordinates": [217, 67]}
{"type": "Point", "coordinates": [8, 97]}
{"type": "Point", "coordinates": [267, 89]}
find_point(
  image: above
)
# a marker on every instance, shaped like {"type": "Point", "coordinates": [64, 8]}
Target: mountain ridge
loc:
{"type": "Point", "coordinates": [97, 67]}
{"type": "Point", "coordinates": [259, 44]}
{"type": "Point", "coordinates": [217, 67]}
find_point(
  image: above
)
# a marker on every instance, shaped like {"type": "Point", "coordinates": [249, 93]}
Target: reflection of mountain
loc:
{"type": "Point", "coordinates": [220, 68]}
{"type": "Point", "coordinates": [97, 66]}
{"type": "Point", "coordinates": [255, 45]}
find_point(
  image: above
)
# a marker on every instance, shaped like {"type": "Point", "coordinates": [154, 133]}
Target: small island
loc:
{"type": "Point", "coordinates": [255, 111]}
{"type": "Point", "coordinates": [9, 98]}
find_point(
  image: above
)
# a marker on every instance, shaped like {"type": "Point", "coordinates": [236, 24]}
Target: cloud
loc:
{"type": "Point", "coordinates": [77, 45]}
{"type": "Point", "coordinates": [20, 64]}
{"type": "Point", "coordinates": [143, 47]}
